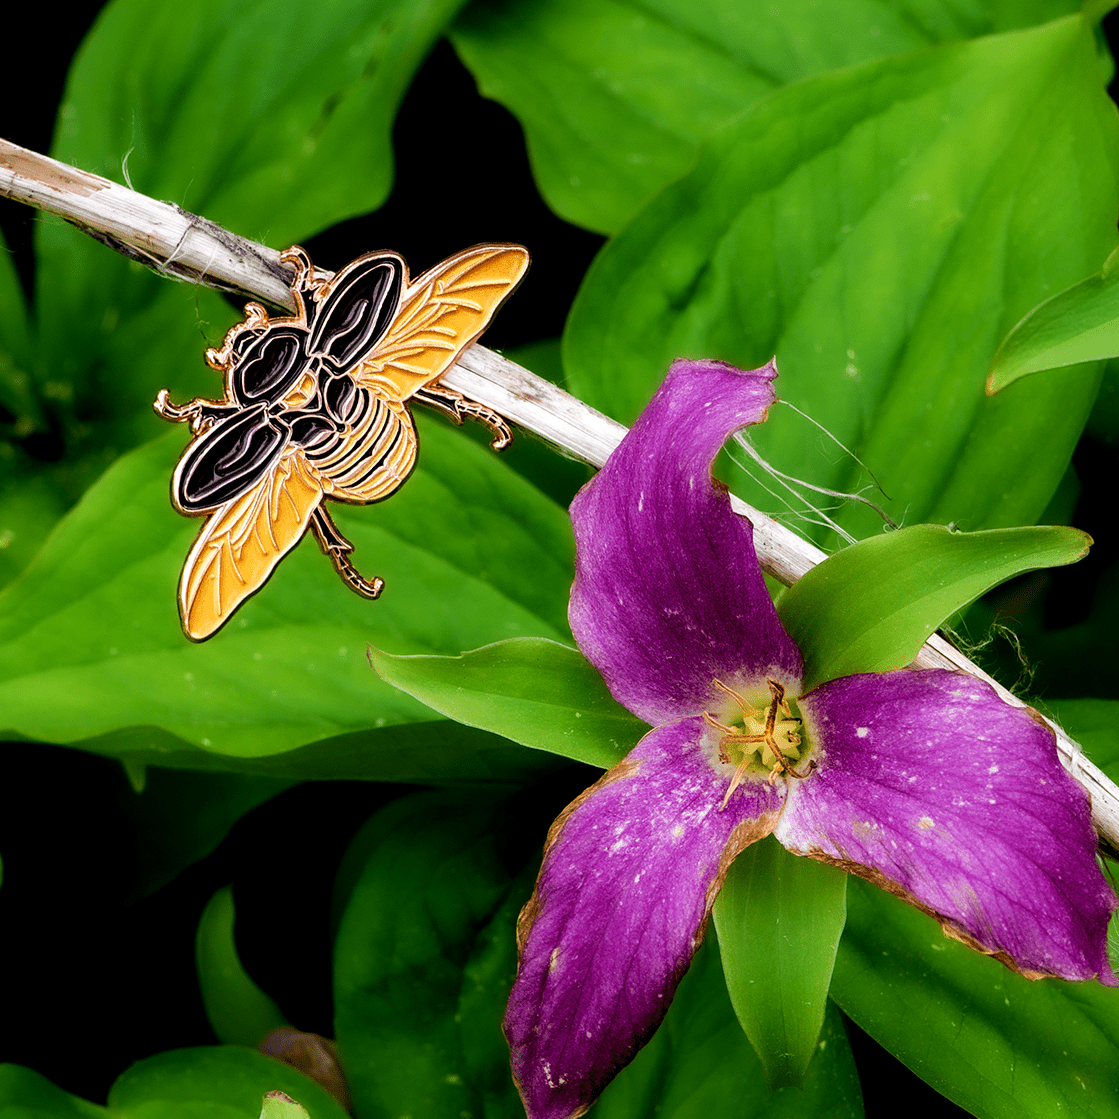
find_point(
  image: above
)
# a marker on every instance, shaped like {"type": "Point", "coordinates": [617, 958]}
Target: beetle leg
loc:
{"type": "Point", "coordinates": [338, 548]}
{"type": "Point", "coordinates": [455, 405]}
{"type": "Point", "coordinates": [201, 414]}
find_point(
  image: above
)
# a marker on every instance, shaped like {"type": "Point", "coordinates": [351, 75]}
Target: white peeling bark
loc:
{"type": "Point", "coordinates": [186, 247]}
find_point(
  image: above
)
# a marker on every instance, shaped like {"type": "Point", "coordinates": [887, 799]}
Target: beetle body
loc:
{"type": "Point", "coordinates": [314, 407]}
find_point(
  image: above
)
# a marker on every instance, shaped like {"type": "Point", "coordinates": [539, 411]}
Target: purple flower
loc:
{"type": "Point", "coordinates": [924, 782]}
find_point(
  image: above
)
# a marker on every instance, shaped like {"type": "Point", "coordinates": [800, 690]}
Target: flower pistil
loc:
{"type": "Point", "coordinates": [765, 739]}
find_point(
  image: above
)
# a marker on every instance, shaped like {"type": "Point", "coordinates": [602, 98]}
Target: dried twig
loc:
{"type": "Point", "coordinates": [187, 247]}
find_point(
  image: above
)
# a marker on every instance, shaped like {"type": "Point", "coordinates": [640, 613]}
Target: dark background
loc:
{"type": "Point", "coordinates": [93, 979]}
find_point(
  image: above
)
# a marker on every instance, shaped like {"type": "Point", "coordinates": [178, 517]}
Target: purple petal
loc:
{"type": "Point", "coordinates": [630, 873]}
{"type": "Point", "coordinates": [668, 593]}
{"type": "Point", "coordinates": [933, 787]}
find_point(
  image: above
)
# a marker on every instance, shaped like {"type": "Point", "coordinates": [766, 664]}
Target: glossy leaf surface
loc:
{"type": "Point", "coordinates": [779, 919]}
{"type": "Point", "coordinates": [91, 643]}
{"type": "Point", "coordinates": [536, 692]}
{"type": "Point", "coordinates": [615, 96]}
{"type": "Point", "coordinates": [870, 607]}
{"type": "Point", "coordinates": [862, 226]}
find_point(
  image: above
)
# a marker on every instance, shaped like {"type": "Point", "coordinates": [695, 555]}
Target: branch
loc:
{"type": "Point", "coordinates": [185, 247]}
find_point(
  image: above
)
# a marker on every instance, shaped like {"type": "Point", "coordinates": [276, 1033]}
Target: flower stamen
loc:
{"type": "Point", "coordinates": [774, 738]}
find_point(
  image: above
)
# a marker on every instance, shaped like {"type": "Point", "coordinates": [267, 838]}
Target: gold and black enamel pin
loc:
{"type": "Point", "coordinates": [315, 407]}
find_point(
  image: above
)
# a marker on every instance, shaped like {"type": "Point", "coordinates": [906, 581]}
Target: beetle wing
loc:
{"type": "Point", "coordinates": [354, 308]}
{"type": "Point", "coordinates": [240, 545]}
{"type": "Point", "coordinates": [440, 314]}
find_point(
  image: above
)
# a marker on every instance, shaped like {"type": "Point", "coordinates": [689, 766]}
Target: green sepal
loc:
{"type": "Point", "coordinates": [699, 1064]}
{"type": "Point", "coordinates": [870, 607]}
{"type": "Point", "coordinates": [1078, 324]}
{"type": "Point", "coordinates": [536, 692]}
{"type": "Point", "coordinates": [779, 919]}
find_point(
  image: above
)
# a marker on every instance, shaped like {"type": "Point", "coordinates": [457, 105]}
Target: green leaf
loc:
{"type": "Point", "coordinates": [615, 95]}
{"type": "Point", "coordinates": [204, 1083]}
{"type": "Point", "coordinates": [181, 817]}
{"type": "Point", "coordinates": [1094, 724]}
{"type": "Point", "coordinates": [429, 752]}
{"type": "Point", "coordinates": [16, 394]}
{"type": "Point", "coordinates": [870, 607]}
{"type": "Point", "coordinates": [779, 919]}
{"type": "Point", "coordinates": [268, 117]}
{"type": "Point", "coordinates": [279, 1106]}
{"type": "Point", "coordinates": [552, 473]}
{"type": "Point", "coordinates": [24, 1093]}
{"type": "Point", "coordinates": [865, 227]}
{"type": "Point", "coordinates": [993, 1042]}
{"type": "Point", "coordinates": [239, 1012]}
{"type": "Point", "coordinates": [423, 965]}
{"type": "Point", "coordinates": [271, 118]}
{"type": "Point", "coordinates": [536, 692]}
{"type": "Point", "coordinates": [32, 498]}
{"type": "Point", "coordinates": [90, 642]}
{"type": "Point", "coordinates": [424, 958]}
{"type": "Point", "coordinates": [699, 1065]}
{"type": "Point", "coordinates": [213, 1083]}
{"type": "Point", "coordinates": [1079, 324]}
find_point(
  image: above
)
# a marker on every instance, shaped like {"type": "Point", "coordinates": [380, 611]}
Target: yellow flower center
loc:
{"type": "Point", "coordinates": [764, 739]}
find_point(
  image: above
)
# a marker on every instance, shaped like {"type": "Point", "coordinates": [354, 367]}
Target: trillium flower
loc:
{"type": "Point", "coordinates": [924, 782]}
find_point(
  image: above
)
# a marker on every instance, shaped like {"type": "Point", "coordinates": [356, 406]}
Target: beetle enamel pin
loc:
{"type": "Point", "coordinates": [314, 407]}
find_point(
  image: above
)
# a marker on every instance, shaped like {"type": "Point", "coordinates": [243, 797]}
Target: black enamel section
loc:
{"type": "Point", "coordinates": [229, 459]}
{"type": "Point", "coordinates": [308, 428]}
{"type": "Point", "coordinates": [338, 393]}
{"type": "Point", "coordinates": [358, 312]}
{"type": "Point", "coordinates": [270, 366]}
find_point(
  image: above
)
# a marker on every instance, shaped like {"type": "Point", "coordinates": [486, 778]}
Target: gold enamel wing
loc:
{"type": "Point", "coordinates": [314, 407]}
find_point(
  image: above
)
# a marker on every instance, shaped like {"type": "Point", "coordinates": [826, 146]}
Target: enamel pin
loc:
{"type": "Point", "coordinates": [314, 407]}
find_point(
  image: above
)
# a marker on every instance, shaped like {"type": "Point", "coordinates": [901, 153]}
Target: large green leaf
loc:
{"type": "Point", "coordinates": [1079, 324]}
{"type": "Point", "coordinates": [699, 1065]}
{"type": "Point", "coordinates": [880, 228]}
{"type": "Point", "coordinates": [995, 1043]}
{"type": "Point", "coordinates": [870, 607]}
{"type": "Point", "coordinates": [779, 919]}
{"type": "Point", "coordinates": [615, 95]}
{"type": "Point", "coordinates": [90, 641]}
{"type": "Point", "coordinates": [268, 117]}
{"type": "Point", "coordinates": [32, 497]}
{"type": "Point", "coordinates": [536, 692]}
{"type": "Point", "coordinates": [423, 962]}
